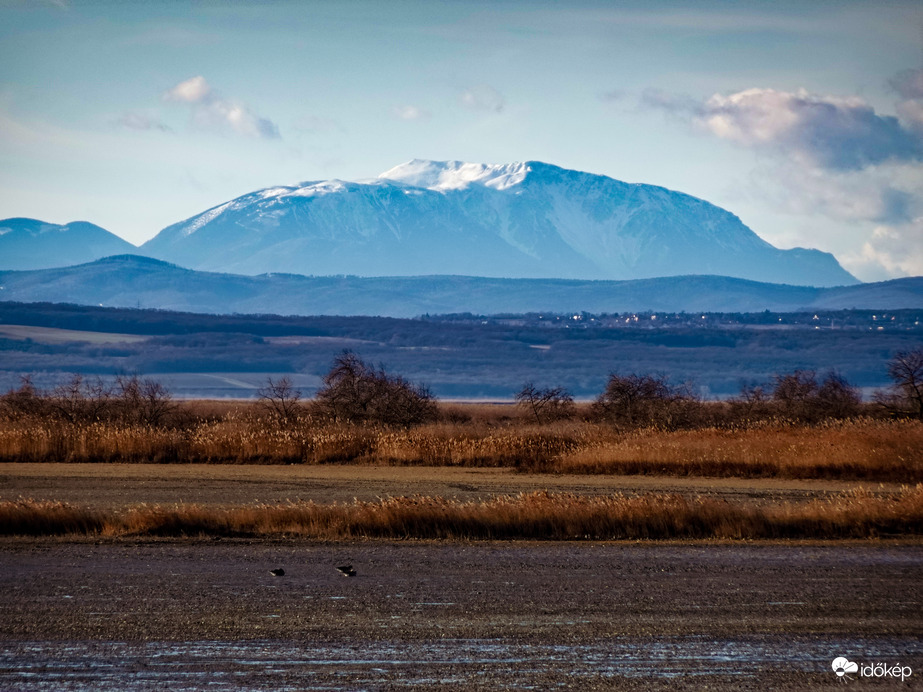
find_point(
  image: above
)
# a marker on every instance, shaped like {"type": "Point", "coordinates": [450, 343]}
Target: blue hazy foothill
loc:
{"type": "Point", "coordinates": [133, 281]}
{"type": "Point", "coordinates": [34, 244]}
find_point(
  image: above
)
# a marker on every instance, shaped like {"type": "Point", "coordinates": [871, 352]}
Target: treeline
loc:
{"type": "Point", "coordinates": [130, 400]}
{"type": "Point", "coordinates": [834, 319]}
{"type": "Point", "coordinates": [800, 426]}
{"type": "Point", "coordinates": [358, 393]}
{"type": "Point", "coordinates": [456, 359]}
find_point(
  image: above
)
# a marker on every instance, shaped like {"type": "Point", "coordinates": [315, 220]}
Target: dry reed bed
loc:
{"type": "Point", "coordinates": [860, 449]}
{"type": "Point", "coordinates": [854, 450]}
{"type": "Point", "coordinates": [541, 515]}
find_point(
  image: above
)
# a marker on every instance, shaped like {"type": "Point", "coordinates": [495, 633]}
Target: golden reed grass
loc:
{"type": "Point", "coordinates": [861, 449]}
{"type": "Point", "coordinates": [539, 515]}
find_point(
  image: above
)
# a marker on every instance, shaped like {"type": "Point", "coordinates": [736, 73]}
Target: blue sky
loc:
{"type": "Point", "coordinates": [804, 118]}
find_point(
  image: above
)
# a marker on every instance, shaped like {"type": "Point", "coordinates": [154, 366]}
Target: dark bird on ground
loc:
{"type": "Point", "coordinates": [347, 570]}
{"type": "Point", "coordinates": [277, 572]}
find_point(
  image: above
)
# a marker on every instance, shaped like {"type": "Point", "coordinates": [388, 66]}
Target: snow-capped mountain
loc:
{"type": "Point", "coordinates": [33, 244]}
{"type": "Point", "coordinates": [516, 220]}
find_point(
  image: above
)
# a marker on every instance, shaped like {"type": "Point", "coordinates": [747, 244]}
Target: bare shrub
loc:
{"type": "Point", "coordinates": [553, 403]}
{"type": "Point", "coordinates": [142, 401]}
{"type": "Point", "coordinates": [753, 403]}
{"type": "Point", "coordinates": [23, 403]}
{"type": "Point", "coordinates": [837, 398]}
{"type": "Point", "coordinates": [800, 397]}
{"type": "Point", "coordinates": [280, 400]}
{"type": "Point", "coordinates": [905, 398]}
{"type": "Point", "coordinates": [644, 400]}
{"type": "Point", "coordinates": [794, 393]}
{"type": "Point", "coordinates": [359, 393]}
{"type": "Point", "coordinates": [80, 400]}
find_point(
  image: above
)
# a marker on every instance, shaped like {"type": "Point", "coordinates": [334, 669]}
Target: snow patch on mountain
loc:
{"type": "Point", "coordinates": [457, 175]}
{"type": "Point", "coordinates": [324, 187]}
{"type": "Point", "coordinates": [519, 220]}
{"type": "Point", "coordinates": [199, 221]}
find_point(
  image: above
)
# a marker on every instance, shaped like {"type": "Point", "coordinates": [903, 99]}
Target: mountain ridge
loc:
{"type": "Point", "coordinates": [138, 281]}
{"type": "Point", "coordinates": [33, 244]}
{"type": "Point", "coordinates": [520, 220]}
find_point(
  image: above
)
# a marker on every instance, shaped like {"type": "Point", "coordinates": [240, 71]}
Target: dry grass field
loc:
{"type": "Point", "coordinates": [862, 449]}
{"type": "Point", "coordinates": [538, 515]}
{"type": "Point", "coordinates": [565, 479]}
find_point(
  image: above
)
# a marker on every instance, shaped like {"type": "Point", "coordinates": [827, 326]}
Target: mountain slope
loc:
{"type": "Point", "coordinates": [33, 244]}
{"type": "Point", "coordinates": [524, 220]}
{"type": "Point", "coordinates": [132, 281]}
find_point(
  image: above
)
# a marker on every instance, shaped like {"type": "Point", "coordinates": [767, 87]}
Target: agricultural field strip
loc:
{"type": "Point", "coordinates": [111, 486]}
{"type": "Point", "coordinates": [52, 335]}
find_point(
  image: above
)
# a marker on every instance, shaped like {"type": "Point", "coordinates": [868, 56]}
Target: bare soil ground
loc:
{"type": "Point", "coordinates": [111, 486]}
{"type": "Point", "coordinates": [196, 615]}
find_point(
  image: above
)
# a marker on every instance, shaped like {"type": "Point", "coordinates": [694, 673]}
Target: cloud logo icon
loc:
{"type": "Point", "coordinates": [842, 665]}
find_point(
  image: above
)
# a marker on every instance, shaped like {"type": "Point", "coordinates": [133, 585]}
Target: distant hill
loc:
{"type": "Point", "coordinates": [520, 220]}
{"type": "Point", "coordinates": [456, 355]}
{"type": "Point", "coordinates": [33, 244]}
{"type": "Point", "coordinates": [133, 281]}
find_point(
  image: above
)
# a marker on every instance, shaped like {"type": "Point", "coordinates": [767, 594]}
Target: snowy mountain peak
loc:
{"type": "Point", "coordinates": [457, 175]}
{"type": "Point", "coordinates": [528, 219]}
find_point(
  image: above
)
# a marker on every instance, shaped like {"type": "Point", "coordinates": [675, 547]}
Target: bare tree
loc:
{"type": "Point", "coordinates": [643, 400]}
{"type": "Point", "coordinates": [553, 403]}
{"type": "Point", "coordinates": [80, 400]}
{"type": "Point", "coordinates": [837, 398]}
{"type": "Point", "coordinates": [142, 400]}
{"type": "Point", "coordinates": [801, 397]}
{"type": "Point", "coordinates": [24, 402]}
{"type": "Point", "coordinates": [794, 393]}
{"type": "Point", "coordinates": [357, 392]}
{"type": "Point", "coordinates": [906, 394]}
{"type": "Point", "coordinates": [281, 400]}
{"type": "Point", "coordinates": [753, 400]}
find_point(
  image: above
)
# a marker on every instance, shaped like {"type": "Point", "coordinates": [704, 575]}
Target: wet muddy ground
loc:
{"type": "Point", "coordinates": [198, 615]}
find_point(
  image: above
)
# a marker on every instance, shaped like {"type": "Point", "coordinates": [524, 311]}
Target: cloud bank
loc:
{"type": "Point", "coordinates": [829, 132]}
{"type": "Point", "coordinates": [830, 156]}
{"type": "Point", "coordinates": [211, 111]}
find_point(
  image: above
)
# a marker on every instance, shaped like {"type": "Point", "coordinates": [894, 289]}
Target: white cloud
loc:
{"type": "Point", "coordinates": [210, 111]}
{"type": "Point", "coordinates": [891, 251]}
{"type": "Point", "coordinates": [829, 132]}
{"type": "Point", "coordinates": [409, 112]}
{"type": "Point", "coordinates": [881, 194]}
{"type": "Point", "coordinates": [482, 97]}
{"type": "Point", "coordinates": [909, 85]}
{"type": "Point", "coordinates": [140, 121]}
{"type": "Point", "coordinates": [855, 172]}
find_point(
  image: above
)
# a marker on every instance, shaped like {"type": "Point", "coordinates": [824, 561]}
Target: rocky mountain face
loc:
{"type": "Point", "coordinates": [522, 220]}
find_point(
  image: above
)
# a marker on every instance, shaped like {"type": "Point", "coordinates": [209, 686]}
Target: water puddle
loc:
{"type": "Point", "coordinates": [286, 665]}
